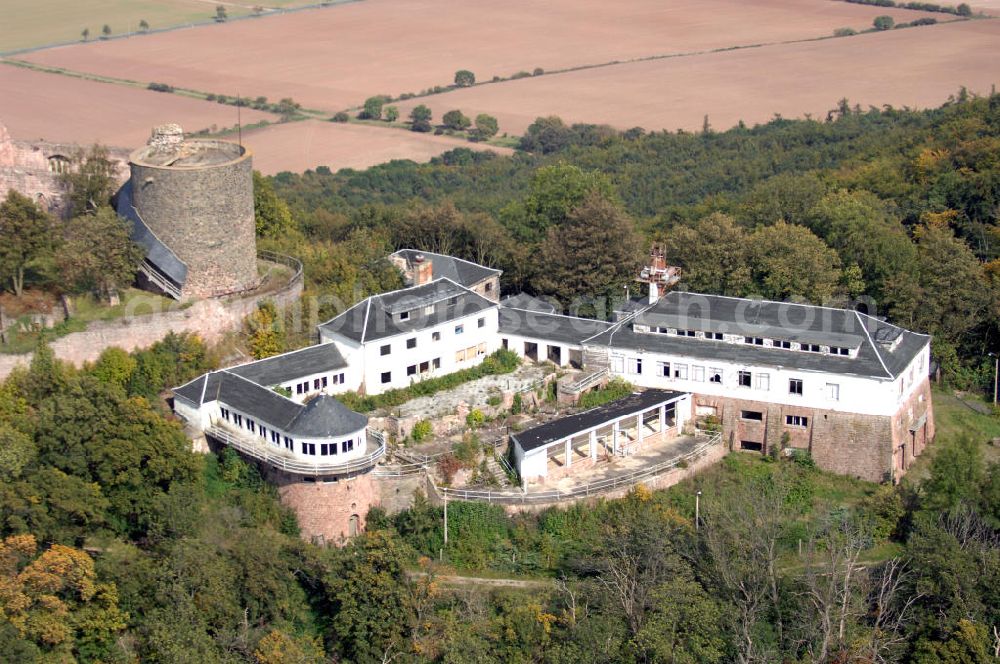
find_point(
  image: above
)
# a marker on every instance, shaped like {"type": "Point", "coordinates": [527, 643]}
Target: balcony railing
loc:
{"type": "Point", "coordinates": [284, 460]}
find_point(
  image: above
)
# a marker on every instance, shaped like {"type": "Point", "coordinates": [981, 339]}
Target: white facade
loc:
{"type": "Point", "coordinates": [773, 384]}
{"type": "Point", "coordinates": [398, 361]}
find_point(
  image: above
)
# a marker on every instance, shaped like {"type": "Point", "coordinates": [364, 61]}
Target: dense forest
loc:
{"type": "Point", "coordinates": [895, 209]}
{"type": "Point", "coordinates": [118, 544]}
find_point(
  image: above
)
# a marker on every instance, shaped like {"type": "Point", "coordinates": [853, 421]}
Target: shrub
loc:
{"type": "Point", "coordinates": [421, 430]}
{"type": "Point", "coordinates": [883, 22]}
{"type": "Point", "coordinates": [494, 400]}
{"type": "Point", "coordinates": [340, 117]}
{"type": "Point", "coordinates": [467, 451]}
{"type": "Point", "coordinates": [464, 78]}
{"type": "Point", "coordinates": [538, 71]}
{"type": "Point", "coordinates": [883, 510]}
{"type": "Point", "coordinates": [456, 120]}
{"type": "Point", "coordinates": [963, 10]}
{"type": "Point", "coordinates": [517, 406]}
{"type": "Point", "coordinates": [844, 32]}
{"type": "Point", "coordinates": [373, 108]}
{"type": "Point", "coordinates": [161, 87]}
{"type": "Point", "coordinates": [420, 118]}
{"type": "Point", "coordinates": [391, 114]}
{"type": "Point", "coordinates": [614, 390]}
{"type": "Point", "coordinates": [475, 418]}
{"type": "Point", "coordinates": [448, 465]}
{"type": "Point", "coordinates": [520, 74]}
{"type": "Point", "coordinates": [486, 126]}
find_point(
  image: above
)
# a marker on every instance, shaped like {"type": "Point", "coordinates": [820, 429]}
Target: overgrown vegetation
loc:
{"type": "Point", "coordinates": [499, 362]}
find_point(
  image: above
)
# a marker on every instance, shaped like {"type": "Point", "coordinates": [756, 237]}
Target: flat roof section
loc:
{"type": "Point", "coordinates": [563, 428]}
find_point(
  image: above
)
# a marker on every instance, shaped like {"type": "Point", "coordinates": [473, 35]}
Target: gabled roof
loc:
{"type": "Point", "coordinates": [378, 317]}
{"type": "Point", "coordinates": [323, 417]}
{"type": "Point", "coordinates": [460, 271]}
{"type": "Point", "coordinates": [282, 368]}
{"type": "Point", "coordinates": [780, 320]}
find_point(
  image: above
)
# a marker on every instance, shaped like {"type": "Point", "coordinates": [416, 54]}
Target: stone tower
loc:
{"type": "Point", "coordinates": [196, 197]}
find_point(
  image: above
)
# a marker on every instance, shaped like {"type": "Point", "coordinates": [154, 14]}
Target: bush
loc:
{"type": "Point", "coordinates": [163, 87]}
{"type": "Point", "coordinates": [467, 451]}
{"type": "Point", "coordinates": [464, 78]}
{"type": "Point", "coordinates": [456, 120]}
{"type": "Point", "coordinates": [520, 74]}
{"type": "Point", "coordinates": [883, 22]}
{"type": "Point", "coordinates": [616, 389]}
{"type": "Point", "coordinates": [340, 117]}
{"type": "Point", "coordinates": [420, 119]}
{"type": "Point", "coordinates": [475, 418]}
{"type": "Point", "coordinates": [844, 32]}
{"type": "Point", "coordinates": [517, 406]}
{"type": "Point", "coordinates": [421, 430]}
{"type": "Point", "coordinates": [538, 71]}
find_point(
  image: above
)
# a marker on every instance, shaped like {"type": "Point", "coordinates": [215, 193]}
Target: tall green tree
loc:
{"type": "Point", "coordinates": [274, 219]}
{"type": "Point", "coordinates": [373, 107]}
{"type": "Point", "coordinates": [26, 235]}
{"type": "Point", "coordinates": [713, 254]}
{"type": "Point", "coordinates": [486, 126]}
{"type": "Point", "coordinates": [592, 255]}
{"type": "Point", "coordinates": [790, 262]}
{"type": "Point", "coordinates": [91, 180]}
{"type": "Point", "coordinates": [420, 118]}
{"type": "Point", "coordinates": [98, 253]}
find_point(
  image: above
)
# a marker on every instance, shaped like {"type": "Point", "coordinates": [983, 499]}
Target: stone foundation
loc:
{"type": "Point", "coordinates": [329, 511]}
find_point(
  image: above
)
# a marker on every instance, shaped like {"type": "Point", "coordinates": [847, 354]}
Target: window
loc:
{"type": "Point", "coordinates": [238, 419]}
{"type": "Point", "coordinates": [425, 367]}
{"type": "Point", "coordinates": [745, 378]}
{"type": "Point", "coordinates": [385, 350]}
{"type": "Point", "coordinates": [635, 365]}
{"type": "Point", "coordinates": [812, 348]}
{"type": "Point", "coordinates": [411, 342]}
{"type": "Point", "coordinates": [481, 322]}
{"type": "Point", "coordinates": [839, 350]}
{"type": "Point", "coordinates": [338, 379]}
{"type": "Point", "coordinates": [714, 375]}
{"type": "Point", "coordinates": [347, 445]}
{"type": "Point", "coordinates": [251, 425]}
{"type": "Point", "coordinates": [833, 391]}
{"type": "Point", "coordinates": [756, 341]}
{"type": "Point", "coordinates": [289, 443]}
{"type": "Point", "coordinates": [386, 377]}
{"type": "Point", "coordinates": [436, 363]}
{"type": "Point", "coordinates": [263, 432]}
{"type": "Point", "coordinates": [780, 343]}
{"type": "Point", "coordinates": [225, 414]}
{"type": "Point", "coordinates": [327, 449]}
{"type": "Point", "coordinates": [459, 329]}
{"type": "Point", "coordinates": [752, 415]}
{"type": "Point", "coordinates": [617, 364]}
{"type": "Point", "coordinates": [324, 381]}
{"type": "Point", "coordinates": [681, 371]}
{"type": "Point", "coordinates": [411, 370]}
{"type": "Point", "coordinates": [665, 369]}
{"type": "Point", "coordinates": [275, 438]}
{"type": "Point", "coordinates": [795, 386]}
{"type": "Point", "coordinates": [751, 446]}
{"type": "Point", "coordinates": [316, 383]}
{"type": "Point", "coordinates": [299, 389]}
{"type": "Point", "coordinates": [435, 336]}
{"type": "Point", "coordinates": [697, 373]}
{"type": "Point", "coordinates": [488, 286]}
{"type": "Point", "coordinates": [796, 420]}
{"type": "Point", "coordinates": [309, 448]}
{"type": "Point", "coordinates": [404, 315]}
{"type": "Point", "coordinates": [763, 381]}
{"type": "Point", "coordinates": [717, 336]}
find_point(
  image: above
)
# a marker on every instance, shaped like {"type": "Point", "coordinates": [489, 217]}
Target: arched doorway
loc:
{"type": "Point", "coordinates": [354, 525]}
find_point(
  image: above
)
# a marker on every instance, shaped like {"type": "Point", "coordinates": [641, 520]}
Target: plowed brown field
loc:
{"type": "Point", "coordinates": [37, 105]}
{"type": "Point", "coordinates": [916, 67]}
{"type": "Point", "coordinates": [297, 146]}
{"type": "Point", "coordinates": [336, 57]}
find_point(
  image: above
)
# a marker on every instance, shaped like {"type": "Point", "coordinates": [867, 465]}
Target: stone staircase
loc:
{"type": "Point", "coordinates": [498, 472]}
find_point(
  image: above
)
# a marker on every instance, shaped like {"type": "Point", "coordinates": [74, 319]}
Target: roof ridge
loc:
{"type": "Point", "coordinates": [758, 301]}
{"type": "Point", "coordinates": [454, 258]}
{"type": "Point", "coordinates": [279, 355]}
{"type": "Point", "coordinates": [885, 322]}
{"type": "Point", "coordinates": [258, 385]}
{"type": "Point", "coordinates": [364, 325]}
{"type": "Point", "coordinates": [552, 313]}
{"type": "Point", "coordinates": [878, 354]}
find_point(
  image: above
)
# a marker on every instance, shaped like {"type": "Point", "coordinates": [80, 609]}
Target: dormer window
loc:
{"type": "Point", "coordinates": [839, 350]}
{"type": "Point", "coordinates": [812, 348]}
{"type": "Point", "coordinates": [781, 343]}
{"type": "Point", "coordinates": [404, 315]}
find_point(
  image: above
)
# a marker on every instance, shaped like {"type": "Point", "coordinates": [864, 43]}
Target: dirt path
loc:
{"type": "Point", "coordinates": [456, 580]}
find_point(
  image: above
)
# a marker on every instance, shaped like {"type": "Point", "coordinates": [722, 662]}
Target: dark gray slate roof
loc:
{"type": "Point", "coordinates": [322, 358]}
{"type": "Point", "coordinates": [157, 253]}
{"type": "Point", "coordinates": [322, 420]}
{"type": "Point", "coordinates": [528, 302]}
{"type": "Point", "coordinates": [780, 320]}
{"type": "Point", "coordinates": [564, 427]}
{"type": "Point", "coordinates": [549, 327]}
{"type": "Point", "coordinates": [377, 317]}
{"type": "Point", "coordinates": [460, 271]}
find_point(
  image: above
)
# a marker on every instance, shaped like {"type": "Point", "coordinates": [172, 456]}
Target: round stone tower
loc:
{"type": "Point", "coordinates": [196, 196]}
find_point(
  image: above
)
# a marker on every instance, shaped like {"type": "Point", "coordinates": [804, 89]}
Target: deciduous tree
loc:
{"type": "Point", "coordinates": [420, 118]}
{"type": "Point", "coordinates": [98, 253]}
{"type": "Point", "coordinates": [456, 120]}
{"type": "Point", "coordinates": [26, 235]}
{"type": "Point", "coordinates": [464, 78]}
{"type": "Point", "coordinates": [486, 126]}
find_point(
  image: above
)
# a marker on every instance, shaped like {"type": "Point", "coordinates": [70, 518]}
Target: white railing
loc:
{"type": "Point", "coordinates": [283, 460]}
{"type": "Point", "coordinates": [582, 490]}
{"type": "Point", "coordinates": [585, 382]}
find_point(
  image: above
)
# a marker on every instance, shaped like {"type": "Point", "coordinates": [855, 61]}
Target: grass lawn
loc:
{"type": "Point", "coordinates": [32, 23]}
{"type": "Point", "coordinates": [953, 418]}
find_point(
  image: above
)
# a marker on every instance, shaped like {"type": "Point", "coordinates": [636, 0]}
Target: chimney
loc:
{"type": "Point", "coordinates": [423, 270]}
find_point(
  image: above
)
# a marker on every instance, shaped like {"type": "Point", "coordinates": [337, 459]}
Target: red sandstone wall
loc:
{"type": "Point", "coordinates": [324, 509]}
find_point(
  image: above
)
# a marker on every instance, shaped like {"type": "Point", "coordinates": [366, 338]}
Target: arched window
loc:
{"type": "Point", "coordinates": [354, 525]}
{"type": "Point", "coordinates": [59, 164]}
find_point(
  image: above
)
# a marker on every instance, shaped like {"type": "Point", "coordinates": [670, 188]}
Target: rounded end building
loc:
{"type": "Point", "coordinates": [196, 197]}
